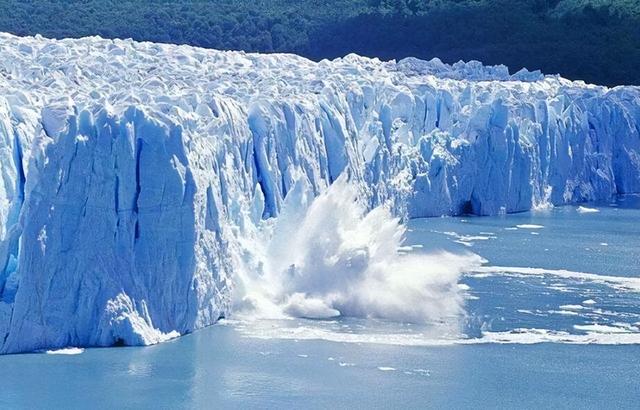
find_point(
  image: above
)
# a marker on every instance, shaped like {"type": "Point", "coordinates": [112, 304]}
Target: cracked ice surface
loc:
{"type": "Point", "coordinates": [128, 169]}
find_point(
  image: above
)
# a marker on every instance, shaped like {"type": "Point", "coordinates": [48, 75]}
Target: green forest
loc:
{"type": "Point", "coordinates": [593, 40]}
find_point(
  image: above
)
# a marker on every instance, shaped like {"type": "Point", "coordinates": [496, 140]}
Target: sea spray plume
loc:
{"type": "Point", "coordinates": [329, 256]}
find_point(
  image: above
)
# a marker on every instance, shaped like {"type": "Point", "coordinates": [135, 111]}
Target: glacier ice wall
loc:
{"type": "Point", "coordinates": [129, 170]}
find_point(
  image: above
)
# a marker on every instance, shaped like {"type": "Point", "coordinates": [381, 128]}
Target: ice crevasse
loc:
{"type": "Point", "coordinates": [129, 169]}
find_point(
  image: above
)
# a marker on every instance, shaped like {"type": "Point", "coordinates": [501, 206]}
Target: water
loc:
{"type": "Point", "coordinates": [605, 242]}
{"type": "Point", "coordinates": [600, 250]}
{"type": "Point", "coordinates": [483, 359]}
{"type": "Point", "coordinates": [215, 368]}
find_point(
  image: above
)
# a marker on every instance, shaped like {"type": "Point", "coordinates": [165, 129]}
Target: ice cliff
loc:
{"type": "Point", "coordinates": [130, 170]}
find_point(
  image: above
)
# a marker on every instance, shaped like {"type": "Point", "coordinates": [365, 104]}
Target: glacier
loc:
{"type": "Point", "coordinates": [134, 175]}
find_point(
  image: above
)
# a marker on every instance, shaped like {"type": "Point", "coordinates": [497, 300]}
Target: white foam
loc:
{"type": "Point", "coordinates": [435, 338]}
{"type": "Point", "coordinates": [535, 336]}
{"type": "Point", "coordinates": [529, 226]}
{"type": "Point", "coordinates": [616, 282]}
{"type": "Point", "coordinates": [597, 328]}
{"type": "Point", "coordinates": [467, 244]}
{"type": "Point", "coordinates": [467, 238]}
{"type": "Point", "coordinates": [314, 262]}
{"type": "Point", "coordinates": [593, 334]}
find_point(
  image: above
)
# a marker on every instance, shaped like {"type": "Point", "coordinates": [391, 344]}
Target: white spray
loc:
{"type": "Point", "coordinates": [329, 257]}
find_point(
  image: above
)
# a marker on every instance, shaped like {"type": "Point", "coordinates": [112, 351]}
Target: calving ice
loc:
{"type": "Point", "coordinates": [329, 256]}
{"type": "Point", "coordinates": [142, 184]}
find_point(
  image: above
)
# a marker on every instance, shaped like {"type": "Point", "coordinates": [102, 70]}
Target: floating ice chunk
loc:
{"type": "Point", "coordinates": [572, 307]}
{"type": "Point", "coordinates": [585, 210]}
{"type": "Point", "coordinates": [597, 328]}
{"type": "Point", "coordinates": [301, 305]}
{"type": "Point", "coordinates": [466, 240]}
{"type": "Point", "coordinates": [564, 312]}
{"type": "Point", "coordinates": [66, 351]}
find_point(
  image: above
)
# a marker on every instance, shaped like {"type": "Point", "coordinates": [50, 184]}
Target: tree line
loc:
{"type": "Point", "coordinates": [593, 40]}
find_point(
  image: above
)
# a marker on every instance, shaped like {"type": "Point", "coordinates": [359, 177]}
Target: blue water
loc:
{"type": "Point", "coordinates": [569, 240]}
{"type": "Point", "coordinates": [215, 368]}
{"type": "Point", "coordinates": [288, 364]}
{"type": "Point", "coordinates": [604, 243]}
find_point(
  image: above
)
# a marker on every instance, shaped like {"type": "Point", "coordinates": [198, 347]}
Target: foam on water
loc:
{"type": "Point", "coordinates": [621, 283]}
{"type": "Point", "coordinates": [585, 210]}
{"type": "Point", "coordinates": [529, 226]}
{"type": "Point", "coordinates": [588, 334]}
{"type": "Point", "coordinates": [533, 336]}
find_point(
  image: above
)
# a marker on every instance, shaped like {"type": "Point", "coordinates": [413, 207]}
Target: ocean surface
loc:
{"type": "Point", "coordinates": [552, 321]}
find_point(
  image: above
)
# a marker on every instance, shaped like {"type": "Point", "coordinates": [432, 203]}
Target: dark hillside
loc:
{"type": "Point", "coordinates": [594, 40]}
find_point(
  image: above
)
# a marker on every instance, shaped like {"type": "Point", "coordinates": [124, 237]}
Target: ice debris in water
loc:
{"type": "Point", "coordinates": [585, 210]}
{"type": "Point", "coordinates": [330, 256]}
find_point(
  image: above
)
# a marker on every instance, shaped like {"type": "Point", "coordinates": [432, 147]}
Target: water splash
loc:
{"type": "Point", "coordinates": [328, 256]}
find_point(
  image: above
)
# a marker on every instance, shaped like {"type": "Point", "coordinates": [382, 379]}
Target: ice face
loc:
{"type": "Point", "coordinates": [131, 172]}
